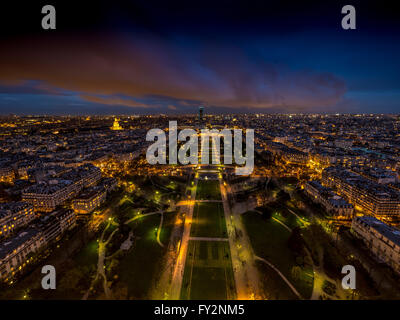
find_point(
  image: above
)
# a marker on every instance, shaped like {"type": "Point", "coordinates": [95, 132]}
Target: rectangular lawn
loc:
{"type": "Point", "coordinates": [208, 190]}
{"type": "Point", "coordinates": [208, 271]}
{"type": "Point", "coordinates": [208, 220]}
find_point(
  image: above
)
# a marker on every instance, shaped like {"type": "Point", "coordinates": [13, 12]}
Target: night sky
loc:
{"type": "Point", "coordinates": [130, 57]}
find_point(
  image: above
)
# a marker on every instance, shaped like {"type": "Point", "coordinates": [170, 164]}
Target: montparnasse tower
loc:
{"type": "Point", "coordinates": [201, 113]}
{"type": "Point", "coordinates": [116, 125]}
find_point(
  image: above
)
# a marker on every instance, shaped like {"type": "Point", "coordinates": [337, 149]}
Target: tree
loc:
{"type": "Point", "coordinates": [71, 279]}
{"type": "Point", "coordinates": [296, 241]}
{"type": "Point", "coordinates": [282, 196]}
{"type": "Point", "coordinates": [296, 272]}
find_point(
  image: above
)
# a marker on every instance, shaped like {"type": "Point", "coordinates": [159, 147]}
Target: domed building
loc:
{"type": "Point", "coordinates": [116, 125]}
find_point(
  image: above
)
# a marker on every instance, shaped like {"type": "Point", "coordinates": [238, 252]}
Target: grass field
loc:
{"type": "Point", "coordinates": [139, 267]}
{"type": "Point", "coordinates": [88, 255]}
{"type": "Point", "coordinates": [273, 284]}
{"type": "Point", "coordinates": [269, 241]}
{"type": "Point", "coordinates": [208, 271]}
{"type": "Point", "coordinates": [208, 220]}
{"type": "Point", "coordinates": [208, 190]}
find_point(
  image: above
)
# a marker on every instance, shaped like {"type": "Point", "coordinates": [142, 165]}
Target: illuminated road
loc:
{"type": "Point", "coordinates": [177, 275]}
{"type": "Point", "coordinates": [168, 286]}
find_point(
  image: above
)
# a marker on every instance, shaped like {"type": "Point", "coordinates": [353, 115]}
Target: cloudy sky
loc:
{"type": "Point", "coordinates": [231, 56]}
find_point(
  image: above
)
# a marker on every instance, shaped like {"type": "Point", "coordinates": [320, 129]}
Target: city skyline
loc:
{"type": "Point", "coordinates": [216, 150]}
{"type": "Point", "coordinates": [80, 198]}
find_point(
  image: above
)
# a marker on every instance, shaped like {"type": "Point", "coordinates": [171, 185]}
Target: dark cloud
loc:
{"type": "Point", "coordinates": [132, 71]}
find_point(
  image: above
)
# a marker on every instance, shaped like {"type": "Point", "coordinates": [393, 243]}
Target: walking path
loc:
{"type": "Point", "coordinates": [282, 224]}
{"type": "Point", "coordinates": [281, 275]}
{"type": "Point", "coordinates": [165, 287]}
{"type": "Point", "coordinates": [142, 215]}
{"type": "Point", "coordinates": [244, 269]}
{"type": "Point", "coordinates": [159, 230]}
{"type": "Point", "coordinates": [207, 239]}
{"type": "Point", "coordinates": [318, 274]}
{"type": "Point", "coordinates": [300, 218]}
{"type": "Point", "coordinates": [177, 276]}
{"type": "Point", "coordinates": [100, 265]}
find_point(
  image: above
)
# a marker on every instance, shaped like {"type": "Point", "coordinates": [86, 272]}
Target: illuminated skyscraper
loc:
{"type": "Point", "coordinates": [201, 112]}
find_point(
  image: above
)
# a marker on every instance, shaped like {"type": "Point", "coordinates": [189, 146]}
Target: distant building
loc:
{"type": "Point", "coordinates": [109, 184]}
{"type": "Point", "coordinates": [344, 143]}
{"type": "Point", "coordinates": [55, 224]}
{"type": "Point", "coordinates": [14, 215]}
{"type": "Point", "coordinates": [15, 252]}
{"type": "Point", "coordinates": [333, 204]}
{"type": "Point", "coordinates": [47, 196]}
{"type": "Point", "coordinates": [89, 200]}
{"type": "Point", "coordinates": [380, 176]}
{"type": "Point", "coordinates": [201, 113]}
{"type": "Point", "coordinates": [366, 195]}
{"type": "Point", "coordinates": [381, 239]}
{"type": "Point", "coordinates": [289, 155]}
{"type": "Point", "coordinates": [116, 125]}
{"type": "Point", "coordinates": [7, 174]}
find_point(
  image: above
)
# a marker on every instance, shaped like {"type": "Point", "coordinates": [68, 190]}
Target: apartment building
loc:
{"type": "Point", "coordinates": [381, 239]}
{"type": "Point", "coordinates": [333, 203]}
{"type": "Point", "coordinates": [366, 195]}
{"type": "Point", "coordinates": [54, 225]}
{"type": "Point", "coordinates": [109, 184]}
{"type": "Point", "coordinates": [288, 154]}
{"type": "Point", "coordinates": [89, 200]}
{"type": "Point", "coordinates": [14, 215]}
{"type": "Point", "coordinates": [15, 253]}
{"type": "Point", "coordinates": [7, 174]}
{"type": "Point", "coordinates": [46, 196]}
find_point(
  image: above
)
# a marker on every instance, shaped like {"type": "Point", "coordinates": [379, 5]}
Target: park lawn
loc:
{"type": "Point", "coordinates": [273, 284]}
{"type": "Point", "coordinates": [139, 266]}
{"type": "Point", "coordinates": [208, 190]}
{"type": "Point", "coordinates": [208, 220]}
{"type": "Point", "coordinates": [208, 283]}
{"type": "Point", "coordinates": [168, 225]}
{"type": "Point", "coordinates": [88, 256]}
{"type": "Point", "coordinates": [269, 241]}
{"type": "Point", "coordinates": [289, 219]}
{"type": "Point", "coordinates": [208, 271]}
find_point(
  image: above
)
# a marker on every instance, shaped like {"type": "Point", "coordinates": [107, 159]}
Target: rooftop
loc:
{"type": "Point", "coordinates": [387, 231]}
{"type": "Point", "coordinates": [10, 245]}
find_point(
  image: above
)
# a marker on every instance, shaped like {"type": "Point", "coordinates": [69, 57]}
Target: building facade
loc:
{"type": "Point", "coordinates": [366, 195]}
{"type": "Point", "coordinates": [381, 239]}
{"type": "Point", "coordinates": [333, 204]}
{"type": "Point", "coordinates": [89, 200]}
{"type": "Point", "coordinates": [46, 196]}
{"type": "Point", "coordinates": [14, 215]}
{"type": "Point", "coordinates": [15, 253]}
